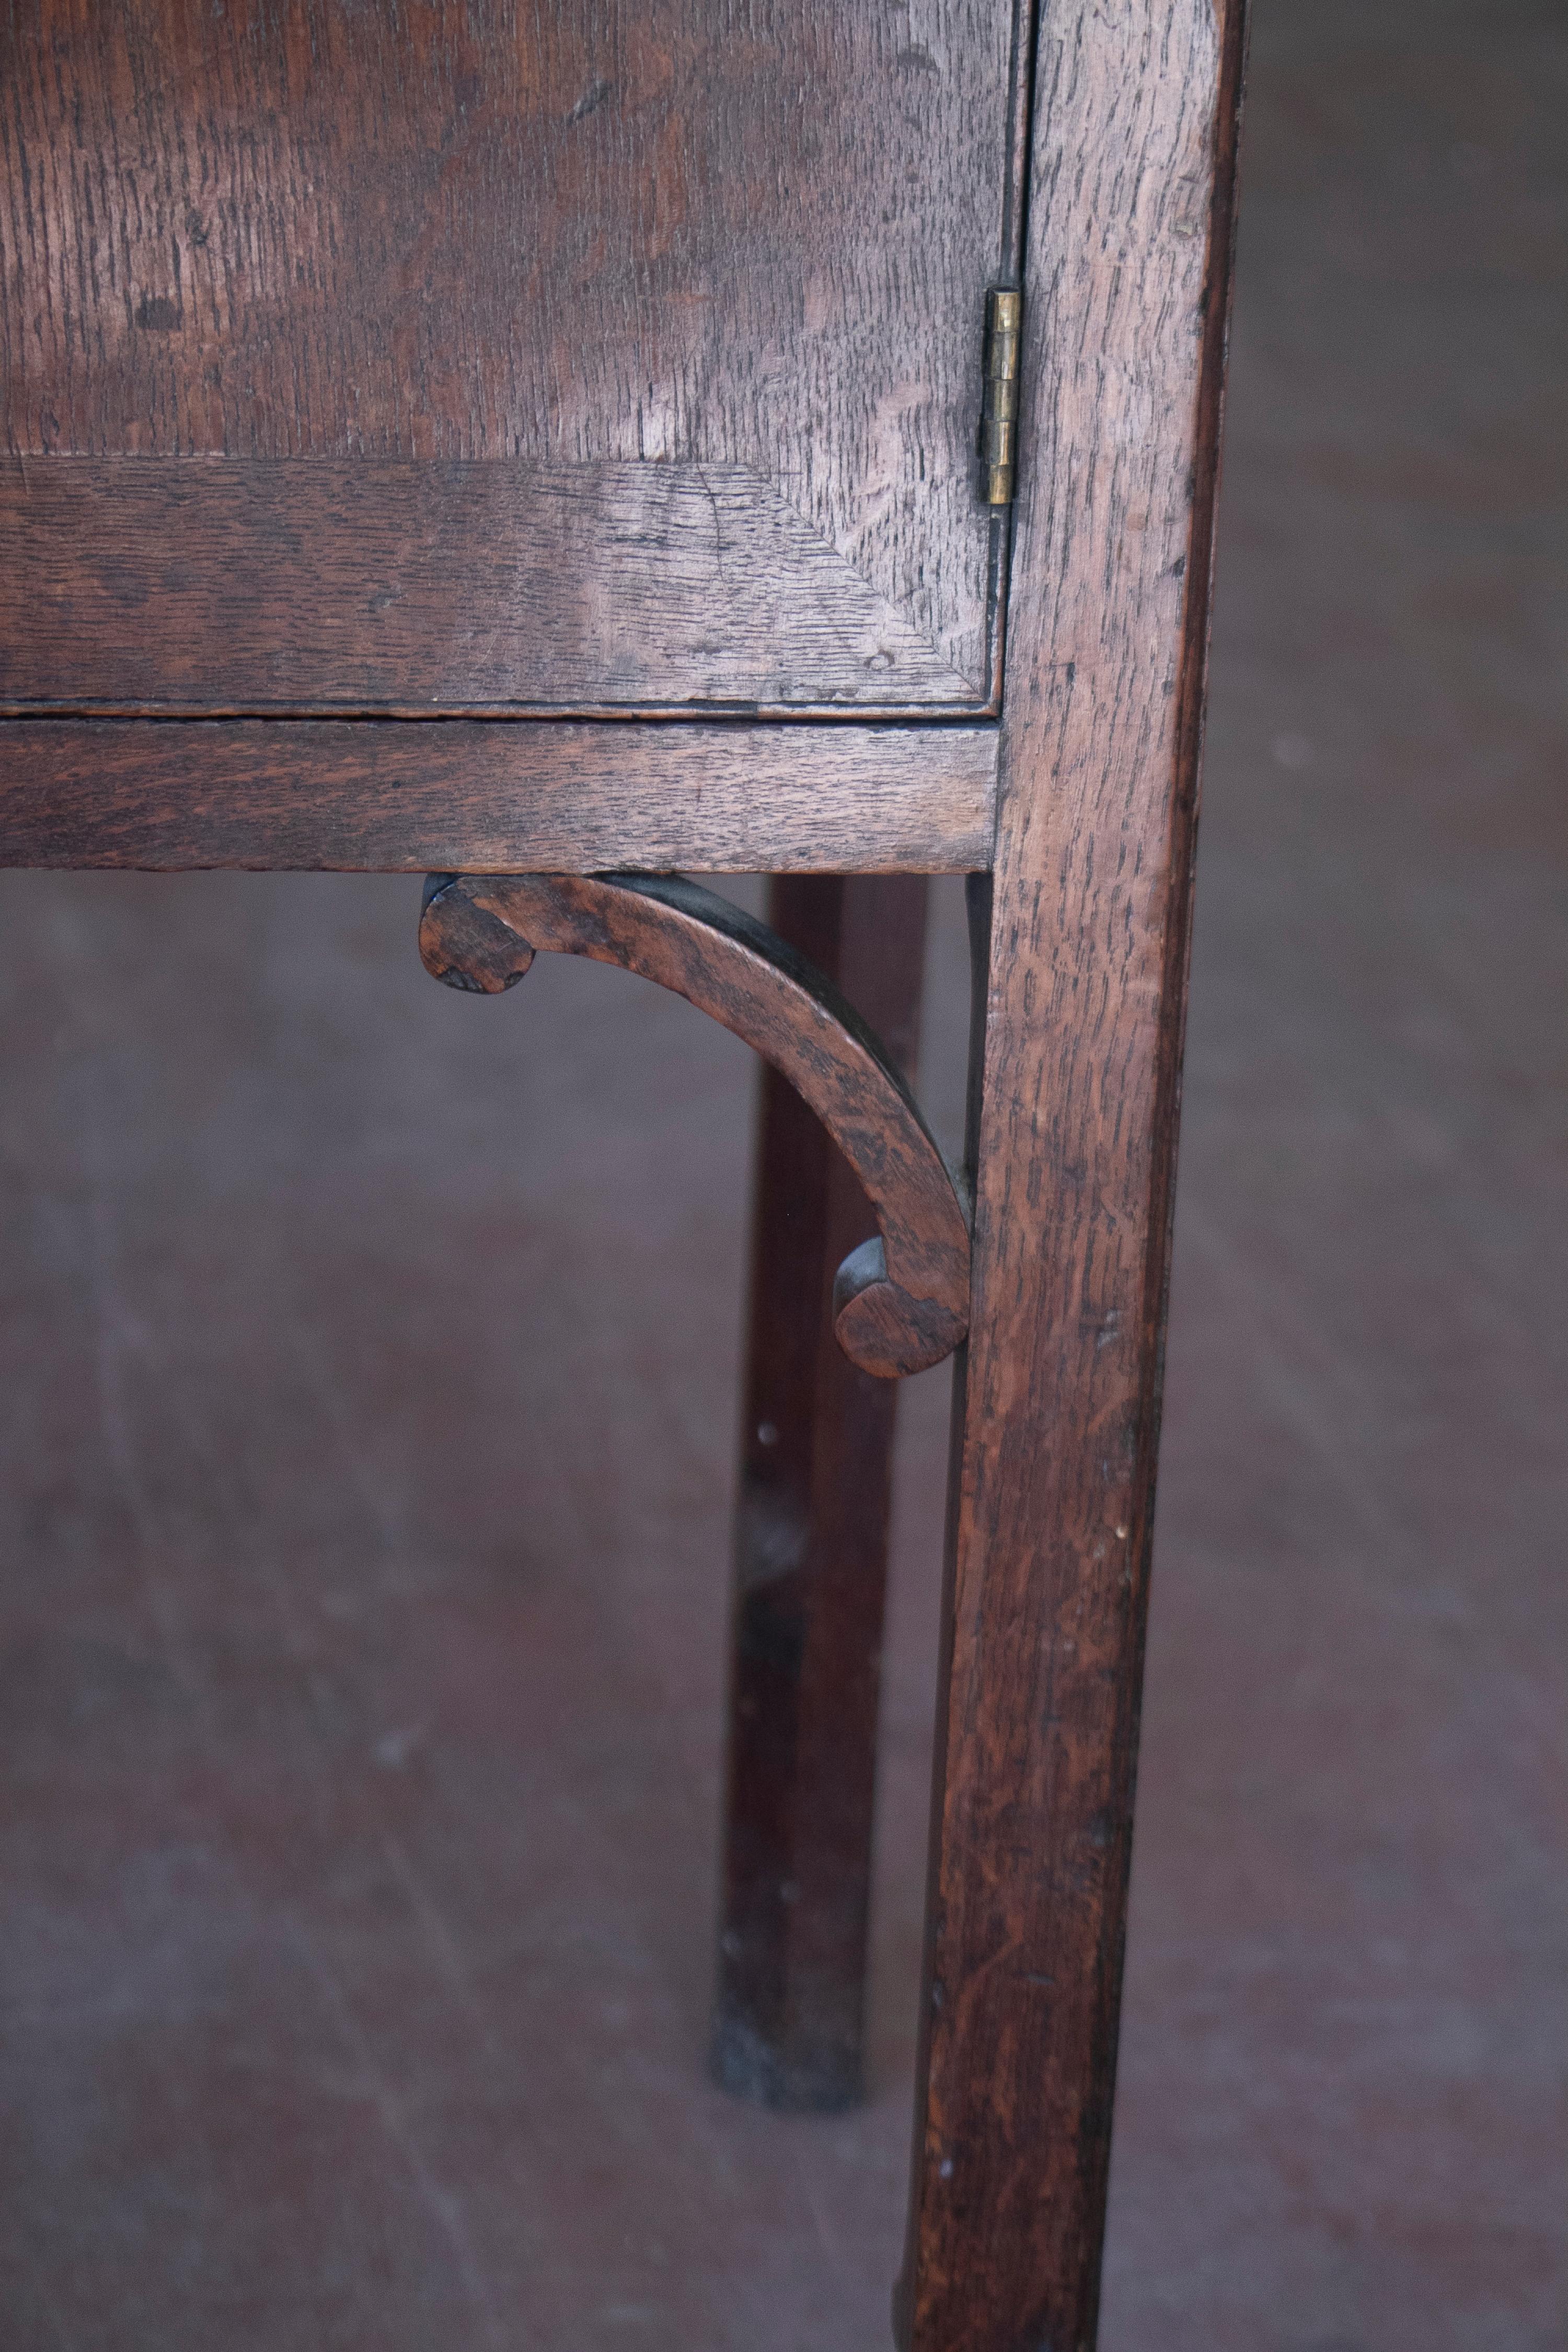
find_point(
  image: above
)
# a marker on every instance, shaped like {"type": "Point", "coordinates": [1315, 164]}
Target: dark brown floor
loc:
{"type": "Point", "coordinates": [370, 1357]}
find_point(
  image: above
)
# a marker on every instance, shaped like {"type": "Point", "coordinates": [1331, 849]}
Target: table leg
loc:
{"type": "Point", "coordinates": [1082, 942]}
{"type": "Point", "coordinates": [811, 1549]}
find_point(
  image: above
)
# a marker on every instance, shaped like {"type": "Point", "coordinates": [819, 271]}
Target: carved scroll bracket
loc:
{"type": "Point", "coordinates": [901, 1301]}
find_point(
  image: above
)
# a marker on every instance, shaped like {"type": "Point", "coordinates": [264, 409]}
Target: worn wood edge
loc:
{"type": "Point", "coordinates": [495, 796]}
{"type": "Point", "coordinates": [693, 709]}
{"type": "Point", "coordinates": [901, 1301]}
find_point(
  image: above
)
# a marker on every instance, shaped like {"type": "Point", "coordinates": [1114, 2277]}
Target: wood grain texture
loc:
{"type": "Point", "coordinates": [496, 797]}
{"type": "Point", "coordinates": [676, 232]}
{"type": "Point", "coordinates": [314, 586]}
{"type": "Point", "coordinates": [900, 1301]}
{"type": "Point", "coordinates": [1129, 247]}
{"type": "Point", "coordinates": [811, 1555]}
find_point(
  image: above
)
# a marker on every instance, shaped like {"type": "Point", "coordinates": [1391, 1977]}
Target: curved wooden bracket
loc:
{"type": "Point", "coordinates": [900, 1302]}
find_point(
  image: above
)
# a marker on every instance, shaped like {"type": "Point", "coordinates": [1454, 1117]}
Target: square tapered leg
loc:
{"type": "Point", "coordinates": [811, 1553]}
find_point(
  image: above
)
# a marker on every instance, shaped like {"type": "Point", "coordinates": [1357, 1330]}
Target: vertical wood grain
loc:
{"type": "Point", "coordinates": [1127, 272]}
{"type": "Point", "coordinates": [811, 1555]}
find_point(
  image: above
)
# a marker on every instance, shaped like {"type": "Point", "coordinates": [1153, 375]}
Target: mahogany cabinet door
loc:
{"type": "Point", "coordinates": [480, 357]}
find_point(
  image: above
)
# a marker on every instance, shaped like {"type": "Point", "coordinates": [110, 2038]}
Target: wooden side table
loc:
{"type": "Point", "coordinates": [539, 448]}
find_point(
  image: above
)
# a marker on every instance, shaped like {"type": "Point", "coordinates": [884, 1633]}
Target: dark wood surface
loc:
{"type": "Point", "coordinates": [499, 796]}
{"type": "Point", "coordinates": [1295, 2163]}
{"type": "Point", "coordinates": [811, 1555]}
{"type": "Point", "coordinates": [260, 259]}
{"type": "Point", "coordinates": [899, 1301]}
{"type": "Point", "coordinates": [394, 588]}
{"type": "Point", "coordinates": [1130, 234]}
{"type": "Point", "coordinates": [704, 286]}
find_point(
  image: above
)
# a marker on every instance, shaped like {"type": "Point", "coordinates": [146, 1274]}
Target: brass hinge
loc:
{"type": "Point", "coordinates": [999, 412]}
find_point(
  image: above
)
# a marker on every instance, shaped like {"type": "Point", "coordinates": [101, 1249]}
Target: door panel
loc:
{"type": "Point", "coordinates": [362, 354]}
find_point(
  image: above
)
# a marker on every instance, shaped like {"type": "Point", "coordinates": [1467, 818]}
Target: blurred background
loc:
{"type": "Point", "coordinates": [371, 1357]}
